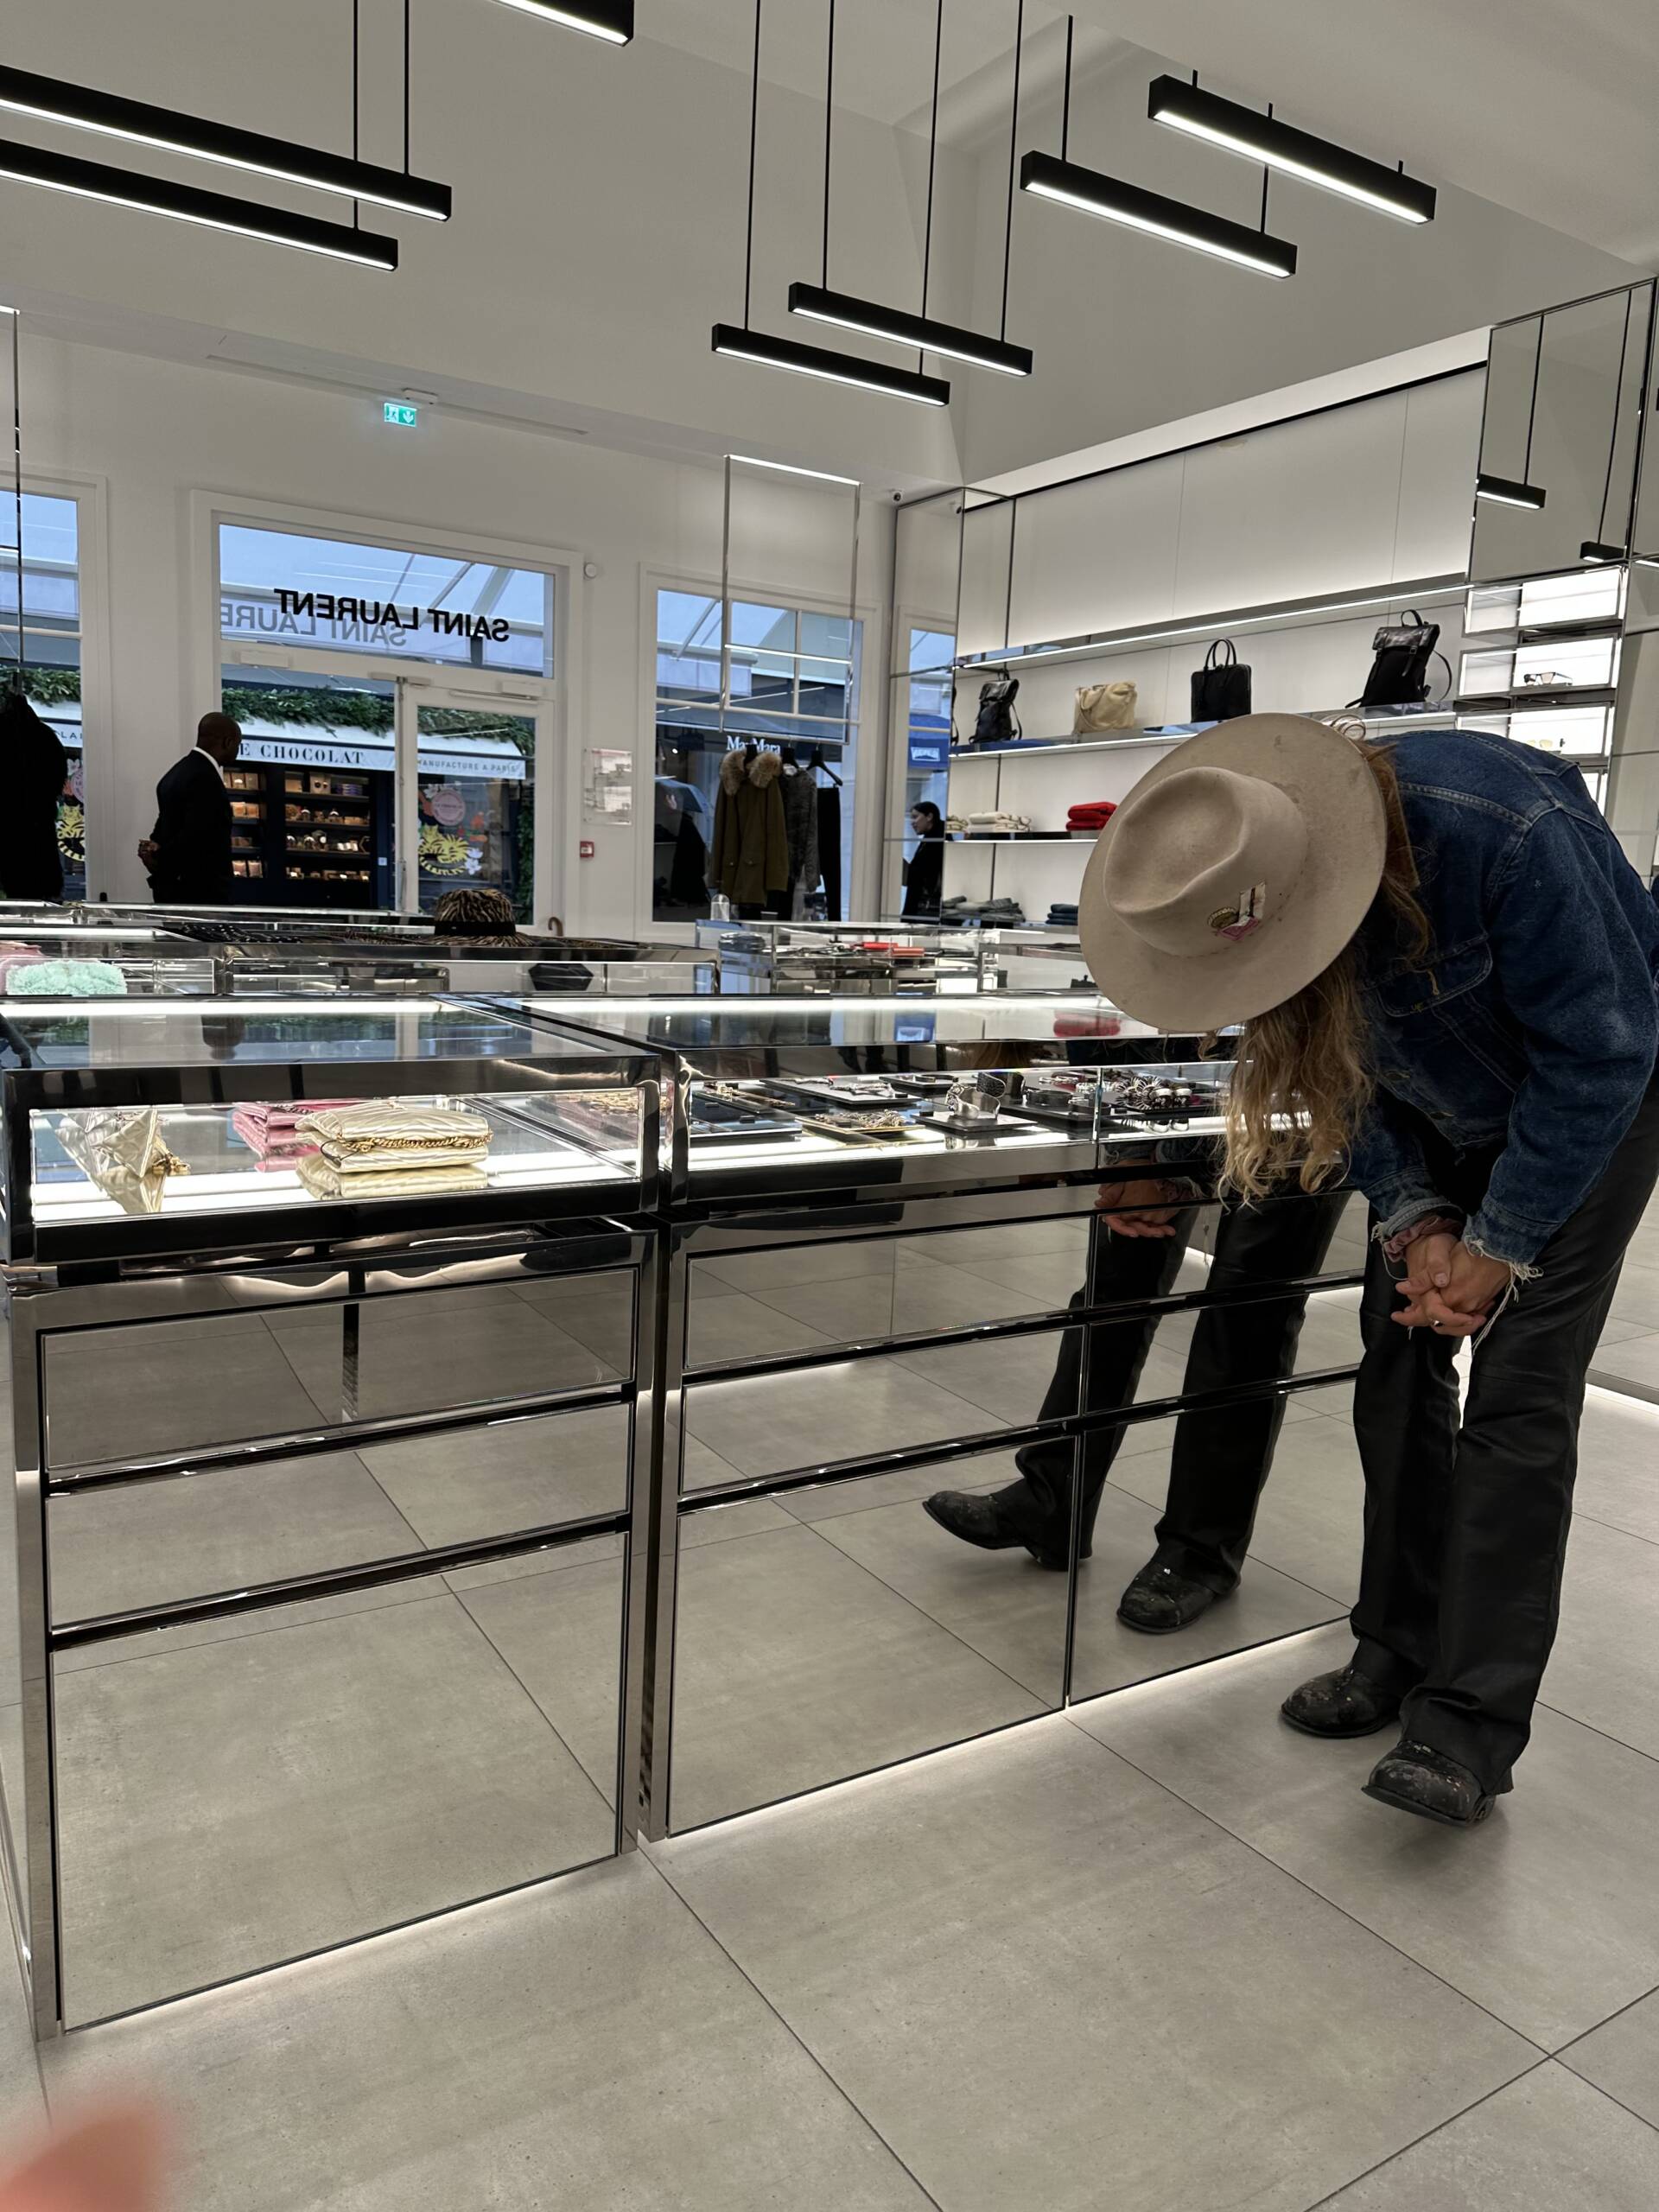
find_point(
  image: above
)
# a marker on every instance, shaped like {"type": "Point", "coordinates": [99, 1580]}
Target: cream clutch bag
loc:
{"type": "Point", "coordinates": [387, 1125]}
{"type": "Point", "coordinates": [120, 1147]}
{"type": "Point", "coordinates": [409, 1179]}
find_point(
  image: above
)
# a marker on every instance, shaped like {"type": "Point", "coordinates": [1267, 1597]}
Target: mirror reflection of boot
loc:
{"type": "Point", "coordinates": [1159, 1600]}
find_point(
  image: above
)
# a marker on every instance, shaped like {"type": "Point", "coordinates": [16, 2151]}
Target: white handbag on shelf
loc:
{"type": "Point", "coordinates": [1103, 706]}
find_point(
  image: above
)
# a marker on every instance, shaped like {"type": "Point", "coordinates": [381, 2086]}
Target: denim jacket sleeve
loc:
{"type": "Point", "coordinates": [1581, 986]}
{"type": "Point", "coordinates": [1386, 1161]}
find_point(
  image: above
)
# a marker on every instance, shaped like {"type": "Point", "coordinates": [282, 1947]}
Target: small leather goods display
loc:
{"type": "Point", "coordinates": [996, 723]}
{"type": "Point", "coordinates": [1399, 674]}
{"type": "Point", "coordinates": [121, 1149]}
{"type": "Point", "coordinates": [1221, 688]}
{"type": "Point", "coordinates": [1104, 706]}
{"type": "Point", "coordinates": [392, 1149]}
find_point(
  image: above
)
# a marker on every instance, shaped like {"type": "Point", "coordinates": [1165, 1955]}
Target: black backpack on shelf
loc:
{"type": "Point", "coordinates": [1399, 674]}
{"type": "Point", "coordinates": [996, 723]}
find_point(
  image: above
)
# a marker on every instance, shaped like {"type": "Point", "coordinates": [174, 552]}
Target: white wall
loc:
{"type": "Point", "coordinates": [1358, 498]}
{"type": "Point", "coordinates": [1130, 330]}
{"type": "Point", "coordinates": [149, 437]}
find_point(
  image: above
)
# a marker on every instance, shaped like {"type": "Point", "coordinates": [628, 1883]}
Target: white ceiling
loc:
{"type": "Point", "coordinates": [1545, 106]}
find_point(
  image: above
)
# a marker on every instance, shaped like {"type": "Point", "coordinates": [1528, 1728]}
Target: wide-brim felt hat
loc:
{"type": "Point", "coordinates": [1234, 873]}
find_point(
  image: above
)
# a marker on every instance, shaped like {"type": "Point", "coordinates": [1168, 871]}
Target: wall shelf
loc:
{"type": "Point", "coordinates": [1419, 591]}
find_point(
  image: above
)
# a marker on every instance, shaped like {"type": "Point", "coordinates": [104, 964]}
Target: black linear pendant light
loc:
{"type": "Point", "coordinates": [611, 20]}
{"type": "Point", "coordinates": [1507, 491]}
{"type": "Point", "coordinates": [1057, 177]}
{"type": "Point", "coordinates": [1596, 551]}
{"type": "Point", "coordinates": [53, 101]}
{"type": "Point", "coordinates": [924, 332]}
{"type": "Point", "coordinates": [738, 342]}
{"type": "Point", "coordinates": [212, 210]}
{"type": "Point", "coordinates": [1294, 153]}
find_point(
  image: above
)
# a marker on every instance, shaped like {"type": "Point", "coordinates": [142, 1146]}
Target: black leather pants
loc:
{"type": "Point", "coordinates": [1220, 1460]}
{"type": "Point", "coordinates": [1466, 1522]}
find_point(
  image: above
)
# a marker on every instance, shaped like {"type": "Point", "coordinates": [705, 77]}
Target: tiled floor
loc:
{"type": "Point", "coordinates": [1153, 1952]}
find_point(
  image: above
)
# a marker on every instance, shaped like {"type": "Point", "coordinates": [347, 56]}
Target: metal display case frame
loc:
{"type": "Point", "coordinates": [772, 1206]}
{"type": "Point", "coordinates": [344, 1263]}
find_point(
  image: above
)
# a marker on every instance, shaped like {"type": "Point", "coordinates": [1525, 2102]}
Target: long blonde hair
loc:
{"type": "Point", "coordinates": [1303, 1074]}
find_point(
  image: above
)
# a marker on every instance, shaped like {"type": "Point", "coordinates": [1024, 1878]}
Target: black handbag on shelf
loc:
{"type": "Point", "coordinates": [1221, 688]}
{"type": "Point", "coordinates": [1399, 674]}
{"type": "Point", "coordinates": [996, 723]}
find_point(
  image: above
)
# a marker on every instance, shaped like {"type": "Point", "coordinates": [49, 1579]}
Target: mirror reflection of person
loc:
{"type": "Point", "coordinates": [187, 854]}
{"type": "Point", "coordinates": [1447, 975]}
{"type": "Point", "coordinates": [1220, 1461]}
{"type": "Point", "coordinates": [924, 870]}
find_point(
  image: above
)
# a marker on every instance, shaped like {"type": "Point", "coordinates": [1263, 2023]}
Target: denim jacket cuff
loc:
{"type": "Point", "coordinates": [1495, 1234]}
{"type": "Point", "coordinates": [1410, 1210]}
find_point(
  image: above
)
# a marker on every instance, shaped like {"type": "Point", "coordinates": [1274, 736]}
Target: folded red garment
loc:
{"type": "Point", "coordinates": [1090, 813]}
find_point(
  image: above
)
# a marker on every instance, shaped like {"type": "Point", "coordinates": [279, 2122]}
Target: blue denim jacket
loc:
{"type": "Point", "coordinates": [1533, 1024]}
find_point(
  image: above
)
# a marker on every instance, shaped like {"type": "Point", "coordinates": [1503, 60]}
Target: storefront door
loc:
{"type": "Point", "coordinates": [469, 765]}
{"type": "Point", "coordinates": [368, 785]}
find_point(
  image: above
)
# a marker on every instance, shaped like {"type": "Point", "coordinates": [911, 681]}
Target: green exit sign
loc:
{"type": "Point", "coordinates": [401, 412]}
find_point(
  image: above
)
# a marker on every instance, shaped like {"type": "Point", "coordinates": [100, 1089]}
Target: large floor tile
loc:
{"type": "Point", "coordinates": [1308, 1523]}
{"type": "Point", "coordinates": [985, 1470]}
{"type": "Point", "coordinates": [230, 1628]}
{"type": "Point", "coordinates": [1636, 1299]}
{"type": "Point", "coordinates": [734, 1325]}
{"type": "Point", "coordinates": [1001, 1604]}
{"type": "Point", "coordinates": [409, 1361]}
{"type": "Point", "coordinates": [796, 1666]}
{"type": "Point", "coordinates": [125, 1395]}
{"type": "Point", "coordinates": [1635, 1362]}
{"type": "Point", "coordinates": [1049, 1984]}
{"type": "Point", "coordinates": [224, 1807]}
{"type": "Point", "coordinates": [1622, 2056]}
{"type": "Point", "coordinates": [1619, 1463]}
{"type": "Point", "coordinates": [918, 1295]}
{"type": "Point", "coordinates": [584, 2047]}
{"type": "Point", "coordinates": [1604, 1668]}
{"type": "Point", "coordinates": [597, 1310]}
{"type": "Point", "coordinates": [144, 1544]}
{"type": "Point", "coordinates": [789, 1264]}
{"type": "Point", "coordinates": [1544, 2143]}
{"type": "Point", "coordinates": [1545, 1915]}
{"type": "Point", "coordinates": [1106, 1655]}
{"type": "Point", "coordinates": [822, 1414]}
{"type": "Point", "coordinates": [469, 1483]}
{"type": "Point", "coordinates": [558, 1632]}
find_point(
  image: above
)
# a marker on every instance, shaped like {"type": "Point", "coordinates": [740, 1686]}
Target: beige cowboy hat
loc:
{"type": "Point", "coordinates": [1234, 872]}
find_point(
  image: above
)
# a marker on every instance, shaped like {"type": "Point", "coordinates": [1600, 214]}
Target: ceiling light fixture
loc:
{"type": "Point", "coordinates": [212, 211]}
{"type": "Point", "coordinates": [924, 333]}
{"type": "Point", "coordinates": [1504, 491]}
{"type": "Point", "coordinates": [791, 469]}
{"type": "Point", "coordinates": [740, 343]}
{"type": "Point", "coordinates": [927, 333]}
{"type": "Point", "coordinates": [1132, 205]}
{"type": "Point", "coordinates": [1294, 153]}
{"type": "Point", "coordinates": [611, 20]}
{"type": "Point", "coordinates": [53, 101]}
{"type": "Point", "coordinates": [1597, 552]}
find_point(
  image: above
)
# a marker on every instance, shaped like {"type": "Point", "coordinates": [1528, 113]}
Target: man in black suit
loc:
{"type": "Point", "coordinates": [189, 852]}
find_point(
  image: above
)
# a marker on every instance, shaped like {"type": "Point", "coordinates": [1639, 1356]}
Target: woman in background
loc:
{"type": "Point", "coordinates": [924, 875]}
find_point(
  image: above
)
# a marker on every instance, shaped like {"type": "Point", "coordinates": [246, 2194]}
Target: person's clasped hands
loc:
{"type": "Point", "coordinates": [1449, 1288]}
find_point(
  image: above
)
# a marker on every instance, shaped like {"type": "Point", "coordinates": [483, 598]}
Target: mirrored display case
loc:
{"type": "Point", "coordinates": [160, 1126]}
{"type": "Point", "coordinates": [785, 1096]}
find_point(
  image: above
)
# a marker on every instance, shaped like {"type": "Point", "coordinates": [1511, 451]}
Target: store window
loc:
{"type": "Point", "coordinates": [328, 594]}
{"type": "Point", "coordinates": [316, 796]}
{"type": "Point", "coordinates": [793, 689]}
{"type": "Point", "coordinates": [51, 649]}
